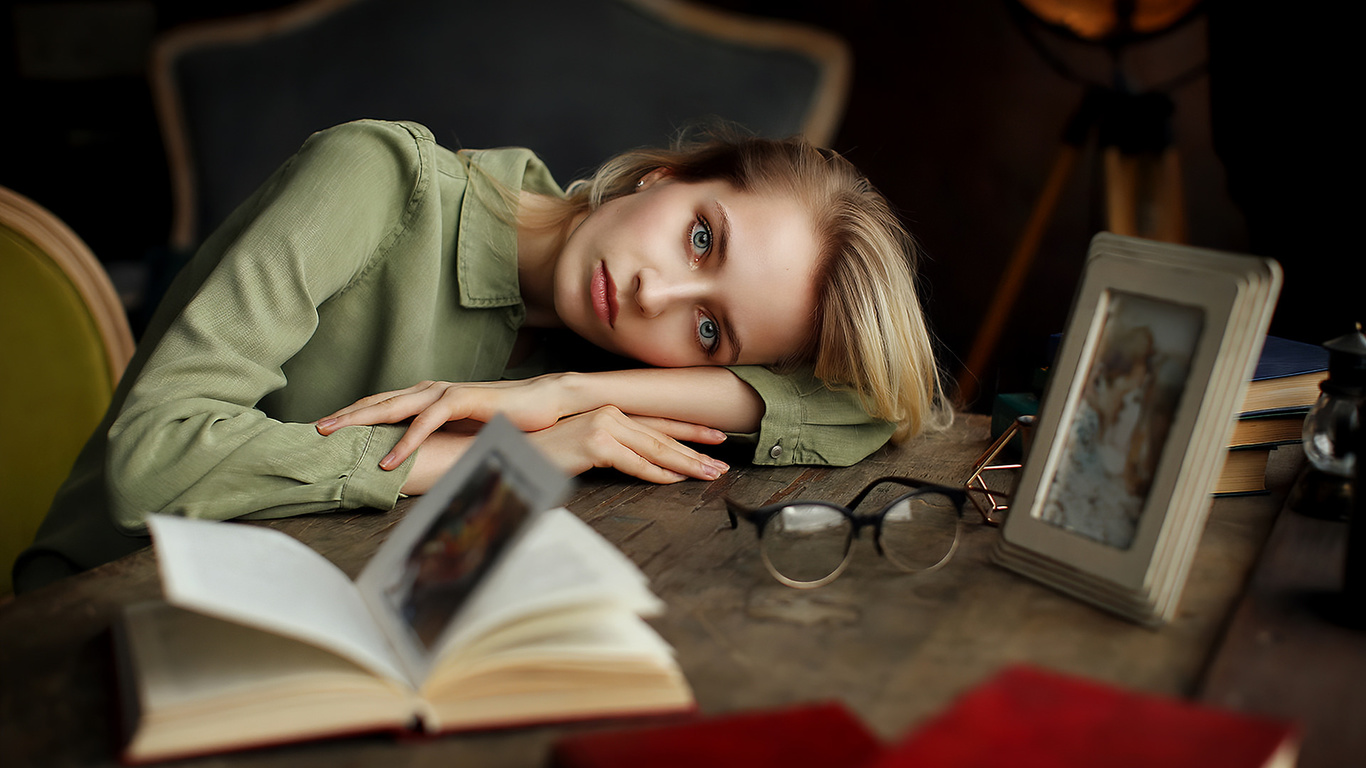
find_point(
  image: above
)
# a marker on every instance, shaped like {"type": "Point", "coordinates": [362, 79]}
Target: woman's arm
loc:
{"type": "Point", "coordinates": [712, 398]}
{"type": "Point", "coordinates": [190, 434]}
{"type": "Point", "coordinates": [796, 418]}
{"type": "Point", "coordinates": [640, 446]}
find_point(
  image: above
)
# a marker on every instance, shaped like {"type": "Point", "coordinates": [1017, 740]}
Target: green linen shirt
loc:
{"type": "Point", "coordinates": [371, 260]}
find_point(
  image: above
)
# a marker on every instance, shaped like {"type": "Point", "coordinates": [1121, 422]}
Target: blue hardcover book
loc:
{"type": "Point", "coordinates": [1286, 378]}
{"type": "Point", "coordinates": [1283, 357]}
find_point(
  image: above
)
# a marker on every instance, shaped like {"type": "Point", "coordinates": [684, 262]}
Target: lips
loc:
{"type": "Point", "coordinates": [604, 293]}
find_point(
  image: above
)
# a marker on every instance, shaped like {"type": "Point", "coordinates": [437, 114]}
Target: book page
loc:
{"type": "Point", "coordinates": [206, 684]}
{"type": "Point", "coordinates": [266, 579]}
{"type": "Point", "coordinates": [603, 635]}
{"type": "Point", "coordinates": [607, 662]}
{"type": "Point", "coordinates": [561, 562]}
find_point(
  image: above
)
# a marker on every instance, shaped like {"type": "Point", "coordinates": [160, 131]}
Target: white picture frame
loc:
{"type": "Point", "coordinates": [1133, 426]}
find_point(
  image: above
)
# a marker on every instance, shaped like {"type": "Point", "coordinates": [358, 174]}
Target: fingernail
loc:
{"type": "Point", "coordinates": [387, 462]}
{"type": "Point", "coordinates": [717, 434]}
{"type": "Point", "coordinates": [325, 423]}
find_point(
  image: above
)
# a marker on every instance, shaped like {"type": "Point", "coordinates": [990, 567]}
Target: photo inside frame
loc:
{"type": "Point", "coordinates": [1112, 447]}
{"type": "Point", "coordinates": [458, 547]}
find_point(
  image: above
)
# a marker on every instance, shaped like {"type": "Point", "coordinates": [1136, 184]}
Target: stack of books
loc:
{"type": "Point", "coordinates": [1283, 388]}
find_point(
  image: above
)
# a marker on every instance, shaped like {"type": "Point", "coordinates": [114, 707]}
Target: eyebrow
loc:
{"type": "Point", "coordinates": [722, 229]}
{"type": "Point", "coordinates": [722, 241]}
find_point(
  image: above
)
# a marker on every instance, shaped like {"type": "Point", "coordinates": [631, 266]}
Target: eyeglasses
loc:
{"type": "Point", "coordinates": [807, 544]}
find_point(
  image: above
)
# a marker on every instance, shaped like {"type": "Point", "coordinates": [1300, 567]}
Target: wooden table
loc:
{"type": "Point", "coordinates": [895, 648]}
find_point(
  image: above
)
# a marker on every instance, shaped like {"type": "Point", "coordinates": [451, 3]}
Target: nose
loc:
{"type": "Point", "coordinates": [657, 292]}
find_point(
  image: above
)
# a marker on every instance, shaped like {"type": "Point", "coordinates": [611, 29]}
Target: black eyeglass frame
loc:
{"type": "Point", "coordinates": [760, 517]}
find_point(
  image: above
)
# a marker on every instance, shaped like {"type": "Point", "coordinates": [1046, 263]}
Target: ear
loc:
{"type": "Point", "coordinates": [649, 179]}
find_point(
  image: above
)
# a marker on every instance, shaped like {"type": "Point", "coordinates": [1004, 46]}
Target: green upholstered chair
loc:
{"type": "Point", "coordinates": [64, 341]}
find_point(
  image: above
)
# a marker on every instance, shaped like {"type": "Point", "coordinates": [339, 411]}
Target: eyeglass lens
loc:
{"type": "Point", "coordinates": [920, 532]}
{"type": "Point", "coordinates": [808, 542]}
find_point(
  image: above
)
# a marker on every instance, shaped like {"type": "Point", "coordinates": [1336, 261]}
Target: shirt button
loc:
{"type": "Point", "coordinates": [775, 451]}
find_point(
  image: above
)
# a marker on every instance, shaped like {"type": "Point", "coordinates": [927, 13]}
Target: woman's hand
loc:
{"type": "Point", "coordinates": [531, 404]}
{"type": "Point", "coordinates": [642, 446]}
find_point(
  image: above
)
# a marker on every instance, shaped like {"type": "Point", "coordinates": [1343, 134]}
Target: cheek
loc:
{"type": "Point", "coordinates": [781, 315]}
{"type": "Point", "coordinates": [570, 299]}
{"type": "Point", "coordinates": [660, 343]}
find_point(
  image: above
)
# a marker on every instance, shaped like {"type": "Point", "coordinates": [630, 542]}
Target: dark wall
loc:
{"type": "Point", "coordinates": [78, 132]}
{"type": "Point", "coordinates": [959, 120]}
{"type": "Point", "coordinates": [954, 116]}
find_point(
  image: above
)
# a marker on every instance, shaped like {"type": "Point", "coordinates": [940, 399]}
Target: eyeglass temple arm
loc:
{"type": "Point", "coordinates": [735, 510]}
{"type": "Point", "coordinates": [730, 513]}
{"type": "Point", "coordinates": [909, 482]}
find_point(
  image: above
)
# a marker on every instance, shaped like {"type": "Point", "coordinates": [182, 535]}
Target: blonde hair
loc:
{"type": "Point", "coordinates": [869, 331]}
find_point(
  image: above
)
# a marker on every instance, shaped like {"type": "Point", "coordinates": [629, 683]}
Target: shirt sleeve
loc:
{"type": "Point", "coordinates": [807, 422]}
{"type": "Point", "coordinates": [190, 438]}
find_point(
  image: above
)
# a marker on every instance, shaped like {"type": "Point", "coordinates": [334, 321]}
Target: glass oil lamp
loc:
{"type": "Point", "coordinates": [1330, 430]}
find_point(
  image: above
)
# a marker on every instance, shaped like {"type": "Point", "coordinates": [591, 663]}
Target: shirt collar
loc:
{"type": "Point", "coordinates": [486, 241]}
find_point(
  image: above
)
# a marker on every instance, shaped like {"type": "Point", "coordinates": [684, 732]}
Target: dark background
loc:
{"type": "Point", "coordinates": [952, 113]}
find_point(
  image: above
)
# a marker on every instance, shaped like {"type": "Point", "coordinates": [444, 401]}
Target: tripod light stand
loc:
{"type": "Point", "coordinates": [1133, 133]}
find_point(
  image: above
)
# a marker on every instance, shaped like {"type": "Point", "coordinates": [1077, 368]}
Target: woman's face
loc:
{"type": "Point", "coordinates": [691, 273]}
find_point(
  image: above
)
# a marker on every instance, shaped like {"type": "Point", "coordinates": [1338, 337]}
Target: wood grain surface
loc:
{"type": "Point", "coordinates": [894, 647]}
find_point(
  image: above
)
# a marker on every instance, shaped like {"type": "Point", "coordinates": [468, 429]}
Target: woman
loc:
{"type": "Point", "coordinates": [374, 259]}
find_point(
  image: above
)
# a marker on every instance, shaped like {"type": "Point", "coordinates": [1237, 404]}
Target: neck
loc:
{"type": "Point", "coordinates": [540, 239]}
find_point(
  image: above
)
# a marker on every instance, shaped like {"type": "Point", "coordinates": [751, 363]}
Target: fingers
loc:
{"type": "Point", "coordinates": [643, 448]}
{"type": "Point", "coordinates": [424, 424]}
{"type": "Point", "coordinates": [648, 455]}
{"type": "Point", "coordinates": [527, 404]}
{"type": "Point", "coordinates": [683, 430]}
{"type": "Point", "coordinates": [385, 407]}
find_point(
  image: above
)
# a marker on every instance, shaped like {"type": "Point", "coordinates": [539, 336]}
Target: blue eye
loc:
{"type": "Point", "coordinates": [700, 237]}
{"type": "Point", "coordinates": [708, 333]}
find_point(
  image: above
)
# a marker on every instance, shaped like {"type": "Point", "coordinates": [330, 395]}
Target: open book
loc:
{"type": "Point", "coordinates": [261, 640]}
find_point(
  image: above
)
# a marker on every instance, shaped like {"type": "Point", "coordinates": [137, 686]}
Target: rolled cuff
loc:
{"type": "Point", "coordinates": [370, 486]}
{"type": "Point", "coordinates": [807, 422]}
